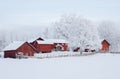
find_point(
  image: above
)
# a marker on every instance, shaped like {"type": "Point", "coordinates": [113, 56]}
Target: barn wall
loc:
{"type": "Point", "coordinates": [26, 49]}
{"type": "Point", "coordinates": [105, 46]}
{"type": "Point", "coordinates": [34, 44]}
{"type": "Point", "coordinates": [65, 47]}
{"type": "Point", "coordinates": [45, 48]}
{"type": "Point", "coordinates": [10, 54]}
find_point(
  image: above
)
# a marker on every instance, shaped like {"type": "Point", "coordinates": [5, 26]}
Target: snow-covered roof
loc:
{"type": "Point", "coordinates": [44, 42]}
{"type": "Point", "coordinates": [31, 40]}
{"type": "Point", "coordinates": [14, 45]}
{"type": "Point", "coordinates": [52, 41]}
{"type": "Point", "coordinates": [106, 41]}
{"type": "Point", "coordinates": [56, 40]}
{"type": "Point", "coordinates": [34, 39]}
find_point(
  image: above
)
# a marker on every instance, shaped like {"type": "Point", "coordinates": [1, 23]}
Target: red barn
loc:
{"type": "Point", "coordinates": [105, 46]}
{"type": "Point", "coordinates": [16, 48]}
{"type": "Point", "coordinates": [42, 46]}
{"type": "Point", "coordinates": [49, 45]}
{"type": "Point", "coordinates": [58, 44]}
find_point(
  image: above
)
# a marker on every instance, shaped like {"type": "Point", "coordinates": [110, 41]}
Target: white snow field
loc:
{"type": "Point", "coordinates": [97, 66]}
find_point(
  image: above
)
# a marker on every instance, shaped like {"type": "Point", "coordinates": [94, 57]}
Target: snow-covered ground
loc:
{"type": "Point", "coordinates": [98, 66]}
{"type": "Point", "coordinates": [1, 54]}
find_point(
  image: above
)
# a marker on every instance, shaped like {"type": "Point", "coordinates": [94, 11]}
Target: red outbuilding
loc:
{"type": "Point", "coordinates": [49, 45]}
{"type": "Point", "coordinates": [19, 48]}
{"type": "Point", "coordinates": [105, 46]}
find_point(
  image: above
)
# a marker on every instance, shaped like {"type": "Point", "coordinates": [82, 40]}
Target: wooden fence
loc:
{"type": "Point", "coordinates": [62, 54]}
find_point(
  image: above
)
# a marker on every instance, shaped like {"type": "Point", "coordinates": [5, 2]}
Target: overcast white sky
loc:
{"type": "Point", "coordinates": [16, 13]}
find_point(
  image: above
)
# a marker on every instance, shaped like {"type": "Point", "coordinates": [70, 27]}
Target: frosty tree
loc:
{"type": "Point", "coordinates": [2, 40]}
{"type": "Point", "coordinates": [79, 31]}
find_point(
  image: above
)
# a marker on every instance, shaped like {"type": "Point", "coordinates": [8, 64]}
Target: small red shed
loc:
{"type": "Point", "coordinates": [105, 46]}
{"type": "Point", "coordinates": [18, 47]}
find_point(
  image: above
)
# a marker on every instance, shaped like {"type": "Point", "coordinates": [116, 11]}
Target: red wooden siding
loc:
{"type": "Point", "coordinates": [26, 49]}
{"type": "Point", "coordinates": [10, 54]}
{"type": "Point", "coordinates": [47, 48]}
{"type": "Point", "coordinates": [105, 46]}
{"type": "Point", "coordinates": [44, 48]}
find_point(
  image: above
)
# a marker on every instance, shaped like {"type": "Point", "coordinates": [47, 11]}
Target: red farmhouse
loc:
{"type": "Point", "coordinates": [49, 45]}
{"type": "Point", "coordinates": [19, 47]}
{"type": "Point", "coordinates": [105, 46]}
